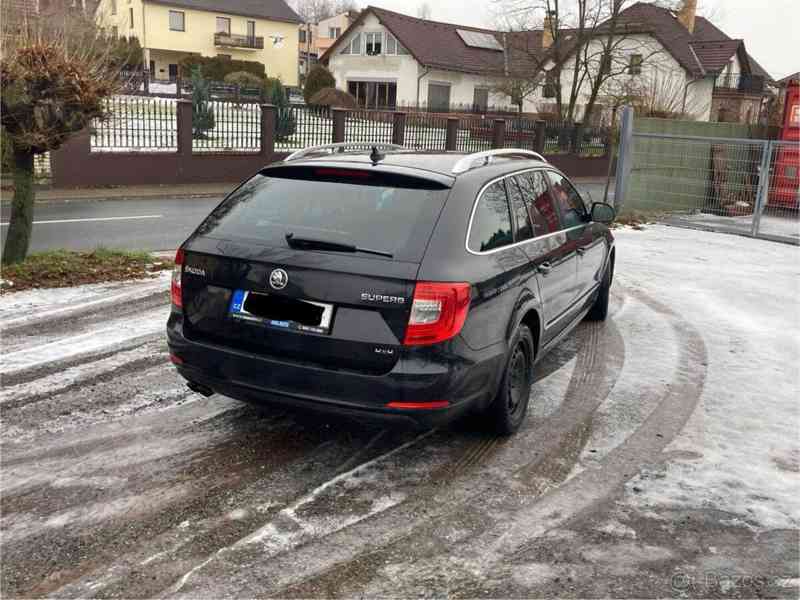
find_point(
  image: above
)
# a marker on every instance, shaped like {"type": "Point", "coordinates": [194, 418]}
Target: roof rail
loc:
{"type": "Point", "coordinates": [468, 162]}
{"type": "Point", "coordinates": [342, 147]}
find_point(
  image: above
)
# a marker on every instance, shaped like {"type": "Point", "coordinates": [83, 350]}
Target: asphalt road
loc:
{"type": "Point", "coordinates": [152, 224]}
{"type": "Point", "coordinates": [649, 465]}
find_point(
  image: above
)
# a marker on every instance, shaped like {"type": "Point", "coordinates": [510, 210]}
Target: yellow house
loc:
{"type": "Point", "coordinates": [169, 30]}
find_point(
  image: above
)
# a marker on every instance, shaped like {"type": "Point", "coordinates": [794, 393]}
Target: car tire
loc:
{"type": "Point", "coordinates": [599, 310]}
{"type": "Point", "coordinates": [507, 411]}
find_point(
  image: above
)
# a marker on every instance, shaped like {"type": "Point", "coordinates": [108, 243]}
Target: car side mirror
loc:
{"type": "Point", "coordinates": [603, 213]}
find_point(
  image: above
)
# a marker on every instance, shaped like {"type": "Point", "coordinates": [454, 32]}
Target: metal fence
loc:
{"type": "Point", "coordinates": [300, 126]}
{"type": "Point", "coordinates": [137, 123]}
{"type": "Point", "coordinates": [735, 185]}
{"type": "Point", "coordinates": [426, 130]}
{"type": "Point", "coordinates": [236, 128]}
{"type": "Point", "coordinates": [150, 124]}
{"type": "Point", "coordinates": [369, 126]}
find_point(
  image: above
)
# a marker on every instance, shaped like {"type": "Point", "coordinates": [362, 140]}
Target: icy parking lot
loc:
{"type": "Point", "coordinates": [660, 457]}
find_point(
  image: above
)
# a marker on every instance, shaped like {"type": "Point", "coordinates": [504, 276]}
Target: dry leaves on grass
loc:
{"type": "Point", "coordinates": [63, 268]}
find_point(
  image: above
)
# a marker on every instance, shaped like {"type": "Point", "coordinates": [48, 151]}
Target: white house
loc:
{"type": "Point", "coordinates": [387, 60]}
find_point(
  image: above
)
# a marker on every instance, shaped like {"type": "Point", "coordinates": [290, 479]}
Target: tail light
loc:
{"type": "Point", "coordinates": [438, 312]}
{"type": "Point", "coordinates": [175, 288]}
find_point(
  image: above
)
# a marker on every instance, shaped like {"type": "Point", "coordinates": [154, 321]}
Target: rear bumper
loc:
{"type": "Point", "coordinates": [464, 378]}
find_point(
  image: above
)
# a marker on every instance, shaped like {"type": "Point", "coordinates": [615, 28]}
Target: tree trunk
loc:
{"type": "Point", "coordinates": [21, 221]}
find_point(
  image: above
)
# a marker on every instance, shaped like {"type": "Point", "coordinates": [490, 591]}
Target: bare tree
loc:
{"type": "Point", "coordinates": [586, 44]}
{"type": "Point", "coordinates": [54, 77]}
{"type": "Point", "coordinates": [314, 11]}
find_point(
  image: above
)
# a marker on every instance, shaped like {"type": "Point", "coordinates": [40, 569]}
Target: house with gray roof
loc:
{"type": "Point", "coordinates": [169, 31]}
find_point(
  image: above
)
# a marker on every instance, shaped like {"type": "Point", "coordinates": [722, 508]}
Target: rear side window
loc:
{"type": "Point", "coordinates": [520, 211]}
{"type": "Point", "coordinates": [569, 202]}
{"type": "Point", "coordinates": [353, 207]}
{"type": "Point", "coordinates": [491, 223]}
{"type": "Point", "coordinates": [544, 217]}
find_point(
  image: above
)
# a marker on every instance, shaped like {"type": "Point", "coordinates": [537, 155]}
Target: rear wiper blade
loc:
{"type": "Point", "coordinates": [304, 243]}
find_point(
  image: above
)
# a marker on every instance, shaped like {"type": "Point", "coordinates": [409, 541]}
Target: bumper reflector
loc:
{"type": "Point", "coordinates": [419, 405]}
{"type": "Point", "coordinates": [177, 360]}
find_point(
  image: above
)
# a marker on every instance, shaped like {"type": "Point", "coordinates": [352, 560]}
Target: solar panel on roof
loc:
{"type": "Point", "coordinates": [477, 39]}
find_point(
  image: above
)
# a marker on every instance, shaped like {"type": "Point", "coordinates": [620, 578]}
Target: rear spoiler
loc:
{"type": "Point", "coordinates": [360, 173]}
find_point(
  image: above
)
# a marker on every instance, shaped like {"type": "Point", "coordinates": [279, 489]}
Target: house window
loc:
{"type": "Point", "coordinates": [302, 34]}
{"type": "Point", "coordinates": [635, 65]}
{"type": "Point", "coordinates": [334, 32]}
{"type": "Point", "coordinates": [374, 41]}
{"type": "Point", "coordinates": [177, 20]}
{"type": "Point", "coordinates": [550, 84]}
{"type": "Point", "coordinates": [354, 47]}
{"type": "Point", "coordinates": [131, 15]}
{"type": "Point", "coordinates": [114, 32]}
{"type": "Point", "coordinates": [113, 7]}
{"type": "Point", "coordinates": [374, 94]}
{"type": "Point", "coordinates": [224, 25]}
{"type": "Point", "coordinates": [439, 97]}
{"type": "Point", "coordinates": [391, 44]}
{"type": "Point", "coordinates": [480, 100]}
{"type": "Point", "coordinates": [251, 30]}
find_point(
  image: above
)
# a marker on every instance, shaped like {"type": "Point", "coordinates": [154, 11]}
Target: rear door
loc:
{"type": "Point", "coordinates": [549, 251]}
{"type": "Point", "coordinates": [590, 248]}
{"type": "Point", "coordinates": [247, 286]}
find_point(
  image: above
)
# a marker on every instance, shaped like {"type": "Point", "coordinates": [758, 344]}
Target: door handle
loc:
{"type": "Point", "coordinates": [545, 268]}
{"type": "Point", "coordinates": [581, 251]}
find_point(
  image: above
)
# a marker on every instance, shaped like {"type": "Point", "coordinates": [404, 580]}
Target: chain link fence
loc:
{"type": "Point", "coordinates": [734, 185]}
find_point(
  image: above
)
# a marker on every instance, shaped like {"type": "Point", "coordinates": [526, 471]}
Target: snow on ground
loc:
{"type": "Point", "coordinates": [740, 452]}
{"type": "Point", "coordinates": [31, 305]}
{"type": "Point", "coordinates": [772, 223]}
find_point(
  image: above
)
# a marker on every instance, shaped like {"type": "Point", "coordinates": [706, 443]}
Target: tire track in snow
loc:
{"type": "Point", "coordinates": [514, 528]}
{"type": "Point", "coordinates": [398, 497]}
{"type": "Point", "coordinates": [42, 315]}
{"type": "Point", "coordinates": [114, 334]}
{"type": "Point", "coordinates": [645, 445]}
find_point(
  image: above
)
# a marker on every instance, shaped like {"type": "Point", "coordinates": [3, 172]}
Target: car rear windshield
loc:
{"type": "Point", "coordinates": [388, 213]}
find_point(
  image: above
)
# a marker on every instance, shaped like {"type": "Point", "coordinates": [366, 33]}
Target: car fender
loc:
{"type": "Point", "coordinates": [527, 300]}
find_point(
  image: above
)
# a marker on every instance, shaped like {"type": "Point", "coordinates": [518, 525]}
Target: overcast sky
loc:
{"type": "Point", "coordinates": [770, 28]}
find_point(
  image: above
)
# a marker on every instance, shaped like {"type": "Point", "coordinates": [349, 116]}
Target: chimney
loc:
{"type": "Point", "coordinates": [687, 14]}
{"type": "Point", "coordinates": [547, 29]}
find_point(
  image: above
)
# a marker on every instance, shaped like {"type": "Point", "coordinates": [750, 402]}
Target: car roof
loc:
{"type": "Point", "coordinates": [426, 163]}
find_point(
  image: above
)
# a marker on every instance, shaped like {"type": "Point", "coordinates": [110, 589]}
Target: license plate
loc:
{"type": "Point", "coordinates": [279, 312]}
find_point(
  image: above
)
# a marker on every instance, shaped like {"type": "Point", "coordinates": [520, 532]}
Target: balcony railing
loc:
{"type": "Point", "coordinates": [238, 41]}
{"type": "Point", "coordinates": [740, 82]}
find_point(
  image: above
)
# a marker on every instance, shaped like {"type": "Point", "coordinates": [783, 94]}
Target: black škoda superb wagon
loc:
{"type": "Point", "coordinates": [407, 284]}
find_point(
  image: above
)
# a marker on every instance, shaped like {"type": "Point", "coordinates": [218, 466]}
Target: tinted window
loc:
{"type": "Point", "coordinates": [540, 203]}
{"type": "Point", "coordinates": [520, 211]}
{"type": "Point", "coordinates": [370, 212]}
{"type": "Point", "coordinates": [568, 200]}
{"type": "Point", "coordinates": [491, 223]}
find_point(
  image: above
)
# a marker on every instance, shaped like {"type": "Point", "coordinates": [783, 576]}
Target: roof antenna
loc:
{"type": "Point", "coordinates": [376, 156]}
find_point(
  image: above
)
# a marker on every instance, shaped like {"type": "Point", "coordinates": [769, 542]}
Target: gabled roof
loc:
{"type": "Point", "coordinates": [715, 56]}
{"type": "Point", "coordinates": [696, 51]}
{"type": "Point", "coordinates": [438, 45]}
{"type": "Point", "coordinates": [274, 10]}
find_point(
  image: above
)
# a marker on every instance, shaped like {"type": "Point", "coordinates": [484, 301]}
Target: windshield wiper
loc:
{"type": "Point", "coordinates": [304, 243]}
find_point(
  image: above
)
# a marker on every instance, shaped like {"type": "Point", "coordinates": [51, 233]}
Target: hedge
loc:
{"type": "Point", "coordinates": [216, 67]}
